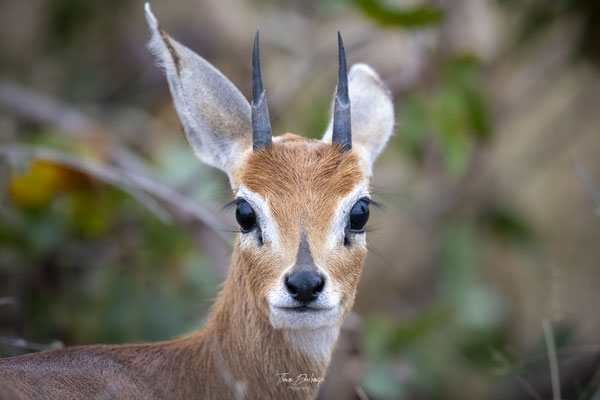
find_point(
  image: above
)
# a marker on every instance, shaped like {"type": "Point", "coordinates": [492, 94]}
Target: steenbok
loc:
{"type": "Point", "coordinates": [302, 205]}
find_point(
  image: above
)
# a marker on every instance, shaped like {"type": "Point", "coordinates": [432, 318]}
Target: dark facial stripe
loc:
{"type": "Point", "coordinates": [304, 258]}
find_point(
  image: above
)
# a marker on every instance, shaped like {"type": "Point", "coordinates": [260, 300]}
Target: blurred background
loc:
{"type": "Point", "coordinates": [483, 272]}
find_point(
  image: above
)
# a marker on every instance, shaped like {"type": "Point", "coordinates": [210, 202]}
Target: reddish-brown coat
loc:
{"type": "Point", "coordinates": [237, 352]}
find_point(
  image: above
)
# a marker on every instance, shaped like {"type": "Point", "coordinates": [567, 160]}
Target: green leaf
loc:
{"type": "Point", "coordinates": [463, 74]}
{"type": "Point", "coordinates": [90, 212]}
{"type": "Point", "coordinates": [479, 116]}
{"type": "Point", "coordinates": [451, 120]}
{"type": "Point", "coordinates": [506, 224]}
{"type": "Point", "coordinates": [409, 18]}
{"type": "Point", "coordinates": [413, 130]}
{"type": "Point", "coordinates": [408, 332]}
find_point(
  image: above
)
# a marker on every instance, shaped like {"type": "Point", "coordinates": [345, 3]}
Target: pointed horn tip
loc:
{"type": "Point", "coordinates": [342, 91]}
{"type": "Point", "coordinates": [341, 55]}
{"type": "Point", "coordinates": [257, 85]}
{"type": "Point", "coordinates": [341, 134]}
{"type": "Point", "coordinates": [255, 47]}
{"type": "Point", "coordinates": [261, 125]}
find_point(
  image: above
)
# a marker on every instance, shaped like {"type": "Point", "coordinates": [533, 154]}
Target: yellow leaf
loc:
{"type": "Point", "coordinates": [42, 180]}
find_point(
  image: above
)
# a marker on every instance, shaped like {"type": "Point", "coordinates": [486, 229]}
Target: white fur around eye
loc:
{"type": "Point", "coordinates": [337, 229]}
{"type": "Point", "coordinates": [264, 219]}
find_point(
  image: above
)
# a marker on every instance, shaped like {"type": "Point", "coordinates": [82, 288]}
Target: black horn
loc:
{"type": "Point", "coordinates": [261, 125]}
{"type": "Point", "coordinates": [342, 132]}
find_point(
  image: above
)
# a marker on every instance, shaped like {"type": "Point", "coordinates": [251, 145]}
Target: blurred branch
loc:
{"type": "Point", "coordinates": [143, 189]}
{"type": "Point", "coordinates": [587, 182]}
{"type": "Point", "coordinates": [104, 173]}
{"type": "Point", "coordinates": [7, 300]}
{"type": "Point", "coordinates": [575, 370]}
{"type": "Point", "coordinates": [43, 109]}
{"type": "Point", "coordinates": [24, 344]}
{"type": "Point", "coordinates": [124, 170]}
{"type": "Point", "coordinates": [514, 372]}
{"type": "Point", "coordinates": [360, 392]}
{"type": "Point", "coordinates": [592, 391]}
{"type": "Point", "coordinates": [38, 108]}
{"type": "Point", "coordinates": [180, 204]}
{"type": "Point", "coordinates": [552, 360]}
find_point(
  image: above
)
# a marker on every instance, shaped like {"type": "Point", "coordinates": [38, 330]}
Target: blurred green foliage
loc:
{"type": "Point", "coordinates": [466, 320]}
{"type": "Point", "coordinates": [418, 16]}
{"type": "Point", "coordinates": [454, 336]}
{"type": "Point", "coordinates": [453, 113]}
{"type": "Point", "coordinates": [86, 263]}
{"type": "Point", "coordinates": [505, 224]}
{"type": "Point", "coordinates": [129, 276]}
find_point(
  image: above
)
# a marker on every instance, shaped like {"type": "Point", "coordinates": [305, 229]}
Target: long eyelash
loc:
{"type": "Point", "coordinates": [232, 203]}
{"type": "Point", "coordinates": [230, 230]}
{"type": "Point", "coordinates": [371, 201]}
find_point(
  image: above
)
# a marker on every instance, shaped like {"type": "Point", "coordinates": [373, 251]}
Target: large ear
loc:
{"type": "Point", "coordinates": [216, 117]}
{"type": "Point", "coordinates": [372, 113]}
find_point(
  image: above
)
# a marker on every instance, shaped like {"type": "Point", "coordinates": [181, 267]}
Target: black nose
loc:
{"type": "Point", "coordinates": [304, 285]}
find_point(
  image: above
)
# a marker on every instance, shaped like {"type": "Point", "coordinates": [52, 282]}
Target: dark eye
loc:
{"type": "Point", "coordinates": [359, 215]}
{"type": "Point", "coordinates": [245, 216]}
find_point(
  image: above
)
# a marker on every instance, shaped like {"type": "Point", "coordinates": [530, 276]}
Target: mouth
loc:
{"type": "Point", "coordinates": [305, 309]}
{"type": "Point", "coordinates": [303, 316]}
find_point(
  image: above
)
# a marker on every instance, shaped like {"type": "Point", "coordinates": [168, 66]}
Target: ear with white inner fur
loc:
{"type": "Point", "coordinates": [372, 113]}
{"type": "Point", "coordinates": [216, 117]}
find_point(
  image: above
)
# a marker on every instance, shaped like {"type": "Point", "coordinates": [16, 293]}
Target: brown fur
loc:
{"type": "Point", "coordinates": [171, 49]}
{"type": "Point", "coordinates": [303, 179]}
{"type": "Point", "coordinates": [237, 354]}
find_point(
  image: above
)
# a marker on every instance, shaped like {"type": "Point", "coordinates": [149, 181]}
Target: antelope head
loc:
{"type": "Point", "coordinates": [302, 204]}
